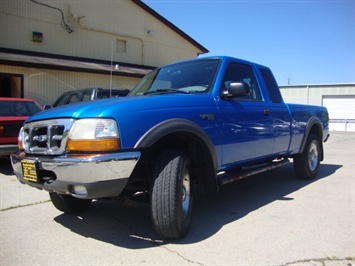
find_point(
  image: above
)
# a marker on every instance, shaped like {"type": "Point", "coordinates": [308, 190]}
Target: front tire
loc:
{"type": "Point", "coordinates": [171, 194]}
{"type": "Point", "coordinates": [306, 164]}
{"type": "Point", "coordinates": [69, 204]}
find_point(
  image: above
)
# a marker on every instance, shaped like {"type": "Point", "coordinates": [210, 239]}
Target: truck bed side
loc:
{"type": "Point", "coordinates": [304, 117]}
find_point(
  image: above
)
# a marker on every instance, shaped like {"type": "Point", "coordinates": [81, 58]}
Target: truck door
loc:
{"type": "Point", "coordinates": [280, 113]}
{"type": "Point", "coordinates": [246, 122]}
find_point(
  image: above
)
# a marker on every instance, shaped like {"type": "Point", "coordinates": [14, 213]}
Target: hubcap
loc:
{"type": "Point", "coordinates": [185, 193]}
{"type": "Point", "coordinates": [313, 157]}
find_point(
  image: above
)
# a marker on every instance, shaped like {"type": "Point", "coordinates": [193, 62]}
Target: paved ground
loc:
{"type": "Point", "coordinates": [269, 219]}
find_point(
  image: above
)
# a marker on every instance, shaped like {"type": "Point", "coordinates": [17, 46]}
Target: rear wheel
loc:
{"type": "Point", "coordinates": [171, 199]}
{"type": "Point", "coordinates": [306, 164]}
{"type": "Point", "coordinates": [69, 204]}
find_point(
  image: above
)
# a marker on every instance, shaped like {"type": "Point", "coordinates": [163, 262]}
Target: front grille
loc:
{"type": "Point", "coordinates": [46, 137]}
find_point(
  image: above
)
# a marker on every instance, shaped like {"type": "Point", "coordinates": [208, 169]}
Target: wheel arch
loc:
{"type": "Point", "coordinates": [189, 136]}
{"type": "Point", "coordinates": [314, 126]}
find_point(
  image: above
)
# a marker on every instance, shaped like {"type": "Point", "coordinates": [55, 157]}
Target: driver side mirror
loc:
{"type": "Point", "coordinates": [235, 89]}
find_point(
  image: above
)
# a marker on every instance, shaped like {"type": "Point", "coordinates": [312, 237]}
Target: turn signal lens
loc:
{"type": "Point", "coordinates": [19, 144]}
{"type": "Point", "coordinates": [19, 140]}
{"type": "Point", "coordinates": [93, 145]}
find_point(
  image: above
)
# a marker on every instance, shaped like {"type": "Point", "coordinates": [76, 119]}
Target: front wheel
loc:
{"type": "Point", "coordinates": [171, 194]}
{"type": "Point", "coordinates": [69, 204]}
{"type": "Point", "coordinates": [306, 164]}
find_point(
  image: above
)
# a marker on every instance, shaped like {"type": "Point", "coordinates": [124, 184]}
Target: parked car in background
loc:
{"type": "Point", "coordinates": [13, 112]}
{"type": "Point", "coordinates": [88, 94]}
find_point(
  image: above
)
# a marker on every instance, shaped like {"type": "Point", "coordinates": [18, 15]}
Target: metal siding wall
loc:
{"type": "Point", "coordinates": [44, 86]}
{"type": "Point", "coordinates": [102, 22]}
{"type": "Point", "coordinates": [314, 95]}
{"type": "Point", "coordinates": [296, 95]}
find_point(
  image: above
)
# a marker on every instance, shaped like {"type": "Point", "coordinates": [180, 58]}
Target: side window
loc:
{"type": "Point", "coordinates": [73, 98]}
{"type": "Point", "coordinates": [62, 100]}
{"type": "Point", "coordinates": [104, 94]}
{"type": "Point", "coordinates": [242, 73]}
{"type": "Point", "coordinates": [86, 96]}
{"type": "Point", "coordinates": [271, 85]}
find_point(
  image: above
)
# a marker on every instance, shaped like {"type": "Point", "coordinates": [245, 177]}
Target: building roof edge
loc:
{"type": "Point", "coordinates": [170, 25]}
{"type": "Point", "coordinates": [317, 85]}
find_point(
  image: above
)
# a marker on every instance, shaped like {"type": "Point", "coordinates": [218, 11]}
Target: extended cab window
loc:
{"type": "Point", "coordinates": [242, 73]}
{"type": "Point", "coordinates": [271, 85]}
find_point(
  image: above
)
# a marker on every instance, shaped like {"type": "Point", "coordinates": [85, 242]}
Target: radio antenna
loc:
{"type": "Point", "coordinates": [111, 67]}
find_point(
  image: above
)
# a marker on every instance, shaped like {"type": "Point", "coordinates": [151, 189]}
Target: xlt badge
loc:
{"type": "Point", "coordinates": [207, 116]}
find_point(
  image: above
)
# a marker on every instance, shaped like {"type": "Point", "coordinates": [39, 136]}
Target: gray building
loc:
{"type": "Point", "coordinates": [338, 98]}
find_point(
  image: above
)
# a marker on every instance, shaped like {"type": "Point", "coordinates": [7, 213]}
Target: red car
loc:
{"type": "Point", "coordinates": [13, 112]}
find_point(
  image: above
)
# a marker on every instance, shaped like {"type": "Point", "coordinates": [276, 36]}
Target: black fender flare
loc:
{"type": "Point", "coordinates": [176, 125]}
{"type": "Point", "coordinates": [311, 122]}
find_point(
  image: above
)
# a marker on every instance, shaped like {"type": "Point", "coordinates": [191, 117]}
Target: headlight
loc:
{"type": "Point", "coordinates": [92, 135]}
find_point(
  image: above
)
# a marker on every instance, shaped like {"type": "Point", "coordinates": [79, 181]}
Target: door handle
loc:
{"type": "Point", "coordinates": [267, 111]}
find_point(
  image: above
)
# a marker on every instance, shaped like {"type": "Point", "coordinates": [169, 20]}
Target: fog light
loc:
{"type": "Point", "coordinates": [80, 190]}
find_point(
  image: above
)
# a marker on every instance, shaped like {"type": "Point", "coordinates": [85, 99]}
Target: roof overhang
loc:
{"type": "Point", "coordinates": [74, 64]}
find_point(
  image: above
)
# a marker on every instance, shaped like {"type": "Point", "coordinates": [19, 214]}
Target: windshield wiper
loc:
{"type": "Point", "coordinates": [166, 91]}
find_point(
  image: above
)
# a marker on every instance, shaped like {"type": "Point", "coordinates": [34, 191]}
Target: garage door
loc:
{"type": "Point", "coordinates": [341, 112]}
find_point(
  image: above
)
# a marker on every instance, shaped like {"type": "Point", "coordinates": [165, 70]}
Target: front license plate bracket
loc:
{"type": "Point", "coordinates": [30, 170]}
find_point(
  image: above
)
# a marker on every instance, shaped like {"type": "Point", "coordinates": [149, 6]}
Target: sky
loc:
{"type": "Point", "coordinates": [304, 42]}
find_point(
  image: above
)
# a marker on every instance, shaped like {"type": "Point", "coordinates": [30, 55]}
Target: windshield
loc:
{"type": "Point", "coordinates": [186, 77]}
{"type": "Point", "coordinates": [18, 108]}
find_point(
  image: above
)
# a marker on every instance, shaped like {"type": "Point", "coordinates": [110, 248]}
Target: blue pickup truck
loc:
{"type": "Point", "coordinates": [200, 123]}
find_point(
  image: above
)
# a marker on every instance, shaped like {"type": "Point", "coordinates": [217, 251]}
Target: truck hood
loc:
{"type": "Point", "coordinates": [123, 105]}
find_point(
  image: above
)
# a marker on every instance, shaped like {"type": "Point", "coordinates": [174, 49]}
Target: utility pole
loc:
{"type": "Point", "coordinates": [288, 81]}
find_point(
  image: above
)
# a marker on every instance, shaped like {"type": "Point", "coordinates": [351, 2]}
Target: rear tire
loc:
{"type": "Point", "coordinates": [171, 194]}
{"type": "Point", "coordinates": [306, 164]}
{"type": "Point", "coordinates": [69, 204]}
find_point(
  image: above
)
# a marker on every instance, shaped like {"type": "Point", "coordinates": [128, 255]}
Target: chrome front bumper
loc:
{"type": "Point", "coordinates": [91, 177]}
